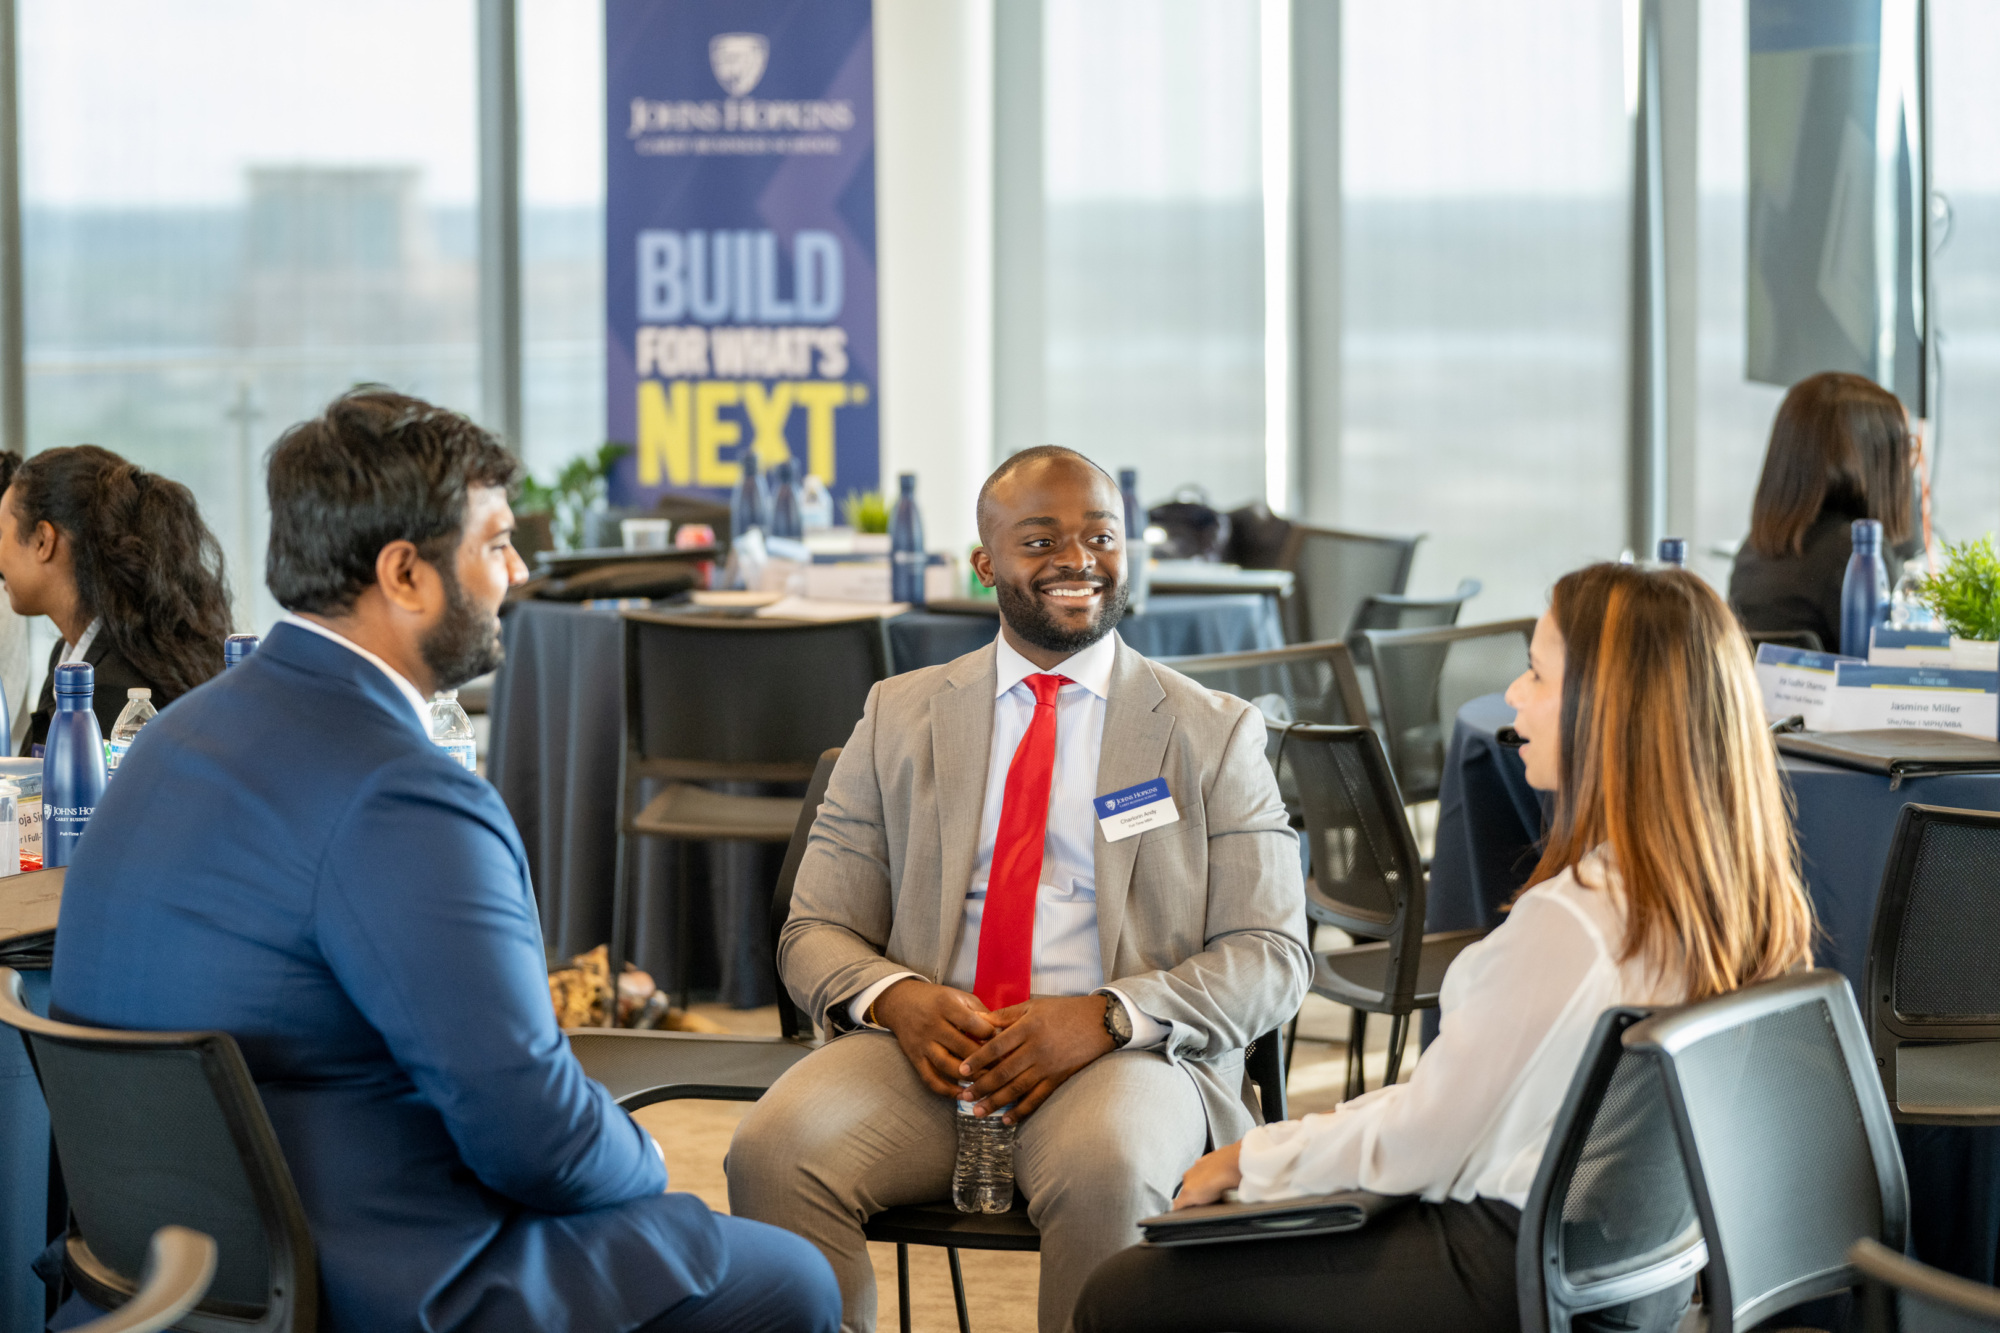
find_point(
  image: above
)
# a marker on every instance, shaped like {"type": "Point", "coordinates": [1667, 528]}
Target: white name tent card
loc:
{"type": "Point", "coordinates": [1798, 683]}
{"type": "Point", "coordinates": [1868, 698]}
{"type": "Point", "coordinates": [1910, 647]}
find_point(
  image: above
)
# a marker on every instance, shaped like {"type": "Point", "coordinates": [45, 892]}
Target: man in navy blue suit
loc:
{"type": "Point", "coordinates": [287, 857]}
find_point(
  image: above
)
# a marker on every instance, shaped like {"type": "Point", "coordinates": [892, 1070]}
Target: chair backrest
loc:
{"type": "Point", "coordinates": [790, 1021]}
{"type": "Point", "coordinates": [1931, 975]}
{"type": "Point", "coordinates": [180, 1264]}
{"type": "Point", "coordinates": [1384, 610]}
{"type": "Point", "coordinates": [1610, 1219]}
{"type": "Point", "coordinates": [1424, 676]}
{"type": "Point", "coordinates": [722, 698]}
{"type": "Point", "coordinates": [1791, 1154]}
{"type": "Point", "coordinates": [1901, 1295]}
{"type": "Point", "coordinates": [1786, 638]}
{"type": "Point", "coordinates": [1264, 1065]}
{"type": "Point", "coordinates": [154, 1129]}
{"type": "Point", "coordinates": [1306, 682]}
{"type": "Point", "coordinates": [1363, 858]}
{"type": "Point", "coordinates": [1335, 572]}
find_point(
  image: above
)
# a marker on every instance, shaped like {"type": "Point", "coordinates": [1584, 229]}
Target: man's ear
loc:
{"type": "Point", "coordinates": [982, 565]}
{"type": "Point", "coordinates": [401, 574]}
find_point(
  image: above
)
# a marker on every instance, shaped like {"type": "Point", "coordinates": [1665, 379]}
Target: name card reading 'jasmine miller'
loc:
{"type": "Point", "coordinates": [1867, 698]}
{"type": "Point", "coordinates": [1149, 805]}
{"type": "Point", "coordinates": [1798, 683]}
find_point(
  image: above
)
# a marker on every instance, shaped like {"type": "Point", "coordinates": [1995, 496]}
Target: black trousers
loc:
{"type": "Point", "coordinates": [1421, 1268]}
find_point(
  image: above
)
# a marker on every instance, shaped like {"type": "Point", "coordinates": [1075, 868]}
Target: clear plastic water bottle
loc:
{"type": "Point", "coordinates": [906, 545]}
{"type": "Point", "coordinates": [1907, 608]}
{"type": "Point", "coordinates": [451, 731]}
{"type": "Point", "coordinates": [748, 507]}
{"type": "Point", "coordinates": [786, 520]}
{"type": "Point", "coordinates": [72, 764]}
{"type": "Point", "coordinates": [982, 1179]}
{"type": "Point", "coordinates": [138, 712]}
{"type": "Point", "coordinates": [1135, 513]}
{"type": "Point", "coordinates": [815, 504]}
{"type": "Point", "coordinates": [1864, 590]}
{"type": "Point", "coordinates": [1674, 551]}
{"type": "Point", "coordinates": [237, 647]}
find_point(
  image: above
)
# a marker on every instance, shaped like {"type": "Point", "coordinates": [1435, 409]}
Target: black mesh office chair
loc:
{"type": "Point", "coordinates": [157, 1129]}
{"type": "Point", "coordinates": [1791, 1153]}
{"type": "Point", "coordinates": [1424, 676]}
{"type": "Point", "coordinates": [1900, 1295]}
{"type": "Point", "coordinates": [179, 1266]}
{"type": "Point", "coordinates": [1394, 611]}
{"type": "Point", "coordinates": [1336, 571]}
{"type": "Point", "coordinates": [1367, 879]}
{"type": "Point", "coordinates": [1786, 638]}
{"type": "Point", "coordinates": [1610, 1222]}
{"type": "Point", "coordinates": [711, 699]}
{"type": "Point", "coordinates": [1306, 682]}
{"type": "Point", "coordinates": [639, 1068]}
{"type": "Point", "coordinates": [1930, 990]}
{"type": "Point", "coordinates": [941, 1224]}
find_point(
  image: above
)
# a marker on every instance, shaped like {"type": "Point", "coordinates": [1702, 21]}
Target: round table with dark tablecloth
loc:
{"type": "Point", "coordinates": [554, 751]}
{"type": "Point", "coordinates": [1489, 824]}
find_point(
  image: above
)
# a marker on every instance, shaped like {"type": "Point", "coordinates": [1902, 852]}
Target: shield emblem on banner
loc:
{"type": "Point", "coordinates": [738, 59]}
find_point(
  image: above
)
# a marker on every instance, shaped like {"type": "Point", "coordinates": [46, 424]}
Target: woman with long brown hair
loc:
{"type": "Point", "coordinates": [1670, 875]}
{"type": "Point", "coordinates": [1840, 450]}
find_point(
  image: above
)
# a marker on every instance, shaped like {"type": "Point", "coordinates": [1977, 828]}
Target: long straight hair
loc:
{"type": "Point", "coordinates": [1839, 442]}
{"type": "Point", "coordinates": [1666, 759]}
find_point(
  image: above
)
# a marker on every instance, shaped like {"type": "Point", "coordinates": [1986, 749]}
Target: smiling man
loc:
{"type": "Point", "coordinates": [285, 856]}
{"type": "Point", "coordinates": [1053, 871]}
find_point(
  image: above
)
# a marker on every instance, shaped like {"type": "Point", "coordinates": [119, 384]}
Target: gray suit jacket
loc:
{"type": "Point", "coordinates": [1201, 922]}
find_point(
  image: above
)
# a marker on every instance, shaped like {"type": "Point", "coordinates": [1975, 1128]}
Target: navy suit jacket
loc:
{"type": "Point", "coordinates": [286, 857]}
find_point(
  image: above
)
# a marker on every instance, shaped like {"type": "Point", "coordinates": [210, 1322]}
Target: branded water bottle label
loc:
{"type": "Point", "coordinates": [463, 753]}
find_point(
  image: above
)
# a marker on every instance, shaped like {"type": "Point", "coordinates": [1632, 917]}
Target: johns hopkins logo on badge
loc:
{"type": "Point", "coordinates": [1109, 806]}
{"type": "Point", "coordinates": [1136, 809]}
{"type": "Point", "coordinates": [738, 59]}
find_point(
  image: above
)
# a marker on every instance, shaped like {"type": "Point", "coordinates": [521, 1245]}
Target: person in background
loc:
{"type": "Point", "coordinates": [1840, 450]}
{"type": "Point", "coordinates": [289, 859]}
{"type": "Point", "coordinates": [17, 667]}
{"type": "Point", "coordinates": [120, 560]}
{"type": "Point", "coordinates": [1669, 876]}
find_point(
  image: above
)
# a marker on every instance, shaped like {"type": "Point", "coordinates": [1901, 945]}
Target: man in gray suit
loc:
{"type": "Point", "coordinates": [968, 913]}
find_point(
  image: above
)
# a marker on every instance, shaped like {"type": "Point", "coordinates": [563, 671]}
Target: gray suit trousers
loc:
{"type": "Point", "coordinates": [850, 1130]}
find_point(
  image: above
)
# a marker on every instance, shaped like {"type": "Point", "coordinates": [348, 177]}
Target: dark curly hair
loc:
{"type": "Point", "coordinates": [376, 467]}
{"type": "Point", "coordinates": [146, 564]}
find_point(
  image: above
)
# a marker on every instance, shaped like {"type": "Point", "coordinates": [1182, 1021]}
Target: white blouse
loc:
{"type": "Point", "coordinates": [1475, 1115]}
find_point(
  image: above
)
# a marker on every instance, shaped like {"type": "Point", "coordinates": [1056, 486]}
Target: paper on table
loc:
{"type": "Point", "coordinates": [809, 608]}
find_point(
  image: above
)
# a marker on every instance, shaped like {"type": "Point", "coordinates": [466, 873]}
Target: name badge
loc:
{"type": "Point", "coordinates": [1123, 813]}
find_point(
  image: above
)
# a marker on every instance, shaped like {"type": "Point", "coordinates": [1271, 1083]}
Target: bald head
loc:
{"type": "Point", "coordinates": [1052, 546]}
{"type": "Point", "coordinates": [1045, 462]}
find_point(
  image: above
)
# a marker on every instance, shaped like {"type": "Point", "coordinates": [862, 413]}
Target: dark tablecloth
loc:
{"type": "Point", "coordinates": [1489, 821]}
{"type": "Point", "coordinates": [553, 755]}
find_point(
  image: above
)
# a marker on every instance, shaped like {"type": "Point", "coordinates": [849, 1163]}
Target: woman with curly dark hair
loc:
{"type": "Point", "coordinates": [120, 560]}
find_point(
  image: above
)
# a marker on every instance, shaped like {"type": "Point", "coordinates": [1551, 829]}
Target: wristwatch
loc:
{"type": "Point", "coordinates": [1117, 1022]}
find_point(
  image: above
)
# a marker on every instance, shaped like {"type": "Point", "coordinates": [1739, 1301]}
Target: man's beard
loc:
{"type": "Point", "coordinates": [466, 643]}
{"type": "Point", "coordinates": [1028, 617]}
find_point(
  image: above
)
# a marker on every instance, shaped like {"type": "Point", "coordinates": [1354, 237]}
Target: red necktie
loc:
{"type": "Point", "coordinates": [1007, 928]}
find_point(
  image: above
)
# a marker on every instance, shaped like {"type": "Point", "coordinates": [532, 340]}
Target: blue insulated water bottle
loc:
{"type": "Point", "coordinates": [237, 647]}
{"type": "Point", "coordinates": [1864, 591]}
{"type": "Point", "coordinates": [786, 520]}
{"type": "Point", "coordinates": [72, 764]}
{"type": "Point", "coordinates": [1135, 513]}
{"type": "Point", "coordinates": [906, 545]}
{"type": "Point", "coordinates": [749, 507]}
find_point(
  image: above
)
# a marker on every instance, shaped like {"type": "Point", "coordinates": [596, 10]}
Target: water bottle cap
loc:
{"type": "Point", "coordinates": [138, 692]}
{"type": "Point", "coordinates": [783, 470]}
{"type": "Point", "coordinates": [908, 482]}
{"type": "Point", "coordinates": [1867, 535]}
{"type": "Point", "coordinates": [1128, 478]}
{"type": "Point", "coordinates": [1674, 549]}
{"type": "Point", "coordinates": [74, 678]}
{"type": "Point", "coordinates": [445, 694]}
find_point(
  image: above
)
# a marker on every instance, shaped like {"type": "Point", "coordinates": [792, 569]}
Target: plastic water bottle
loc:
{"type": "Point", "coordinates": [786, 520]}
{"type": "Point", "coordinates": [815, 504]}
{"type": "Point", "coordinates": [237, 647]}
{"type": "Point", "coordinates": [982, 1179]}
{"type": "Point", "coordinates": [906, 545]}
{"type": "Point", "coordinates": [138, 712]}
{"type": "Point", "coordinates": [451, 731]}
{"type": "Point", "coordinates": [1907, 608]}
{"type": "Point", "coordinates": [1864, 590]}
{"type": "Point", "coordinates": [1135, 513]}
{"type": "Point", "coordinates": [72, 764]}
{"type": "Point", "coordinates": [747, 507]}
{"type": "Point", "coordinates": [1674, 551]}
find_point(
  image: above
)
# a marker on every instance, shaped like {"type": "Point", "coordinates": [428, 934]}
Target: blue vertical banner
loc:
{"type": "Point", "coordinates": [740, 243]}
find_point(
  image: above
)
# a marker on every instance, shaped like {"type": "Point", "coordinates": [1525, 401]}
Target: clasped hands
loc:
{"type": "Point", "coordinates": [1018, 1056]}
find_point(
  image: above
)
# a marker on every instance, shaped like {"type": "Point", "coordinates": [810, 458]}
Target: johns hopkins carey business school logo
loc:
{"type": "Point", "coordinates": [738, 59]}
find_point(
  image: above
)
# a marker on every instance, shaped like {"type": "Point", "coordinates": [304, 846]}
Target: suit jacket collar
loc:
{"type": "Point", "coordinates": [316, 655]}
{"type": "Point", "coordinates": [1134, 749]}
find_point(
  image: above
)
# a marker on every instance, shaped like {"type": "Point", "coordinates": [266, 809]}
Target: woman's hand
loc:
{"type": "Point", "coordinates": [1206, 1180]}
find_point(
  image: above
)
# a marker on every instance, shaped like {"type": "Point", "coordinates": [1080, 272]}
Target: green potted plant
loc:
{"type": "Point", "coordinates": [1965, 595]}
{"type": "Point", "coordinates": [579, 487]}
